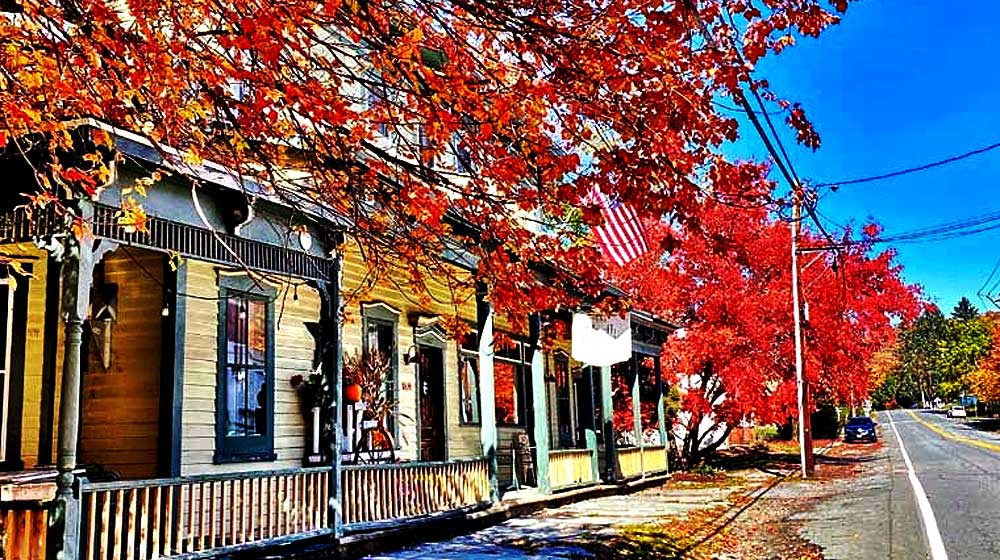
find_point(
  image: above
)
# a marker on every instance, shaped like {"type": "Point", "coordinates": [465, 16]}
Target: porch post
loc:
{"type": "Point", "coordinates": [539, 405]}
{"type": "Point", "coordinates": [77, 275]}
{"type": "Point", "coordinates": [637, 410]}
{"type": "Point", "coordinates": [487, 412]}
{"type": "Point", "coordinates": [589, 429]}
{"type": "Point", "coordinates": [661, 408]}
{"type": "Point", "coordinates": [608, 424]}
{"type": "Point", "coordinates": [332, 353]}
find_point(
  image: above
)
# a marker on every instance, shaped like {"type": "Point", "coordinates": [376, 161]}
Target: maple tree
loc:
{"type": "Point", "coordinates": [408, 117]}
{"type": "Point", "coordinates": [728, 284]}
{"type": "Point", "coordinates": [984, 380]}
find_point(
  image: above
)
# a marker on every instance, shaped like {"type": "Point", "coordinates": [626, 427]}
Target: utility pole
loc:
{"type": "Point", "coordinates": [805, 435]}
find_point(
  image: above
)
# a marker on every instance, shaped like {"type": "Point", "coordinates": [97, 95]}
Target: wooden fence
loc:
{"type": "Point", "coordinates": [149, 519]}
{"type": "Point", "coordinates": [374, 494]}
{"type": "Point", "coordinates": [571, 467]}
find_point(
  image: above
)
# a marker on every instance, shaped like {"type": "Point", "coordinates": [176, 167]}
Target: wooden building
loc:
{"type": "Point", "coordinates": [148, 409]}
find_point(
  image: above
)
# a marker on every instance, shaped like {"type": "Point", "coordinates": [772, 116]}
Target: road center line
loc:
{"type": "Point", "coordinates": [954, 437]}
{"type": "Point", "coordinates": [926, 513]}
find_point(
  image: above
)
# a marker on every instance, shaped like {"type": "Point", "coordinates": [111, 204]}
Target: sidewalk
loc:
{"type": "Point", "coordinates": [856, 507]}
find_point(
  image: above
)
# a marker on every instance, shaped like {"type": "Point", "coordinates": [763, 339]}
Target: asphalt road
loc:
{"type": "Point", "coordinates": [959, 468]}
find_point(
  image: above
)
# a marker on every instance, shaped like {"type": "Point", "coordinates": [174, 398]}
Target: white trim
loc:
{"type": "Point", "coordinates": [926, 513]}
{"type": "Point", "coordinates": [5, 398]}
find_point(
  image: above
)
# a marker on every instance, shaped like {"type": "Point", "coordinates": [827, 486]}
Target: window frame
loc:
{"type": "Point", "coordinates": [465, 352]}
{"type": "Point", "coordinates": [244, 449]}
{"type": "Point", "coordinates": [379, 313]}
{"type": "Point", "coordinates": [522, 371]}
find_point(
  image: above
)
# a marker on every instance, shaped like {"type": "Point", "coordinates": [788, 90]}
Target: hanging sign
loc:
{"type": "Point", "coordinates": [601, 341]}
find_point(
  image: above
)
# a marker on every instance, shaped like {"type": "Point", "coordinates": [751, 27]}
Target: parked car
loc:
{"type": "Point", "coordinates": [957, 411]}
{"type": "Point", "coordinates": [860, 428]}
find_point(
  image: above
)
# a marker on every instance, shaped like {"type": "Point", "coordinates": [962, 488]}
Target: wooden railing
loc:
{"type": "Point", "coordinates": [24, 532]}
{"type": "Point", "coordinates": [147, 519]}
{"type": "Point", "coordinates": [630, 462]}
{"type": "Point", "coordinates": [654, 459]}
{"type": "Point", "coordinates": [374, 494]}
{"type": "Point", "coordinates": [570, 467]}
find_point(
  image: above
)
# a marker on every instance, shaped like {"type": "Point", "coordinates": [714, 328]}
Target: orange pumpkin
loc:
{"type": "Point", "coordinates": [352, 393]}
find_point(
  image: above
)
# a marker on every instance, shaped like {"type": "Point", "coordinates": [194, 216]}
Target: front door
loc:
{"type": "Point", "coordinates": [430, 382]}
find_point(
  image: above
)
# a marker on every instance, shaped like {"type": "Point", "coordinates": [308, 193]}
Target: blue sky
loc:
{"type": "Point", "coordinates": [897, 84]}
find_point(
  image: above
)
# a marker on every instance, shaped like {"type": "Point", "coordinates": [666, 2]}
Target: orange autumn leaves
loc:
{"type": "Point", "coordinates": [372, 101]}
{"type": "Point", "coordinates": [984, 380]}
{"type": "Point", "coordinates": [728, 284]}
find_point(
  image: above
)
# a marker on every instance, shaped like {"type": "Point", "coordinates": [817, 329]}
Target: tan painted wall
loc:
{"type": "Point", "coordinates": [120, 405]}
{"type": "Point", "coordinates": [462, 441]}
{"type": "Point", "coordinates": [293, 354]}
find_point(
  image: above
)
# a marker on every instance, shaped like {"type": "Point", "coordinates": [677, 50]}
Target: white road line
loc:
{"type": "Point", "coordinates": [926, 513]}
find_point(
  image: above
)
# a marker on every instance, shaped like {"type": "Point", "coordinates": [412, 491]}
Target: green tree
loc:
{"type": "Point", "coordinates": [964, 311]}
{"type": "Point", "coordinates": [916, 378]}
{"type": "Point", "coordinates": [962, 345]}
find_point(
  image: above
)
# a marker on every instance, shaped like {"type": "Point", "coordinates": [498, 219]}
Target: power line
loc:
{"type": "Point", "coordinates": [909, 170]}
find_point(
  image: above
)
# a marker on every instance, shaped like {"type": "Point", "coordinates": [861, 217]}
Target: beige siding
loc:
{"type": "Point", "coordinates": [293, 355]}
{"type": "Point", "coordinates": [443, 301]}
{"type": "Point", "coordinates": [120, 404]}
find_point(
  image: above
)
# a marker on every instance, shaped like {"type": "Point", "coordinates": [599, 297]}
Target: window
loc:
{"type": "Point", "coordinates": [563, 420]}
{"type": "Point", "coordinates": [649, 396]}
{"type": "Point", "coordinates": [377, 101]}
{"type": "Point", "coordinates": [468, 381]}
{"type": "Point", "coordinates": [245, 388]}
{"type": "Point", "coordinates": [463, 157]}
{"type": "Point", "coordinates": [380, 324]}
{"type": "Point", "coordinates": [427, 157]}
{"type": "Point", "coordinates": [510, 373]}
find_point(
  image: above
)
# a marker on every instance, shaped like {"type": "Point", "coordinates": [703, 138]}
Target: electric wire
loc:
{"type": "Point", "coordinates": [924, 167]}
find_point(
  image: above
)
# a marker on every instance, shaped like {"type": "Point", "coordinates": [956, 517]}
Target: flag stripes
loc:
{"type": "Point", "coordinates": [621, 236]}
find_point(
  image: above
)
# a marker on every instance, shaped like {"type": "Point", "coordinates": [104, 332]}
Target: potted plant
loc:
{"type": "Point", "coordinates": [368, 376]}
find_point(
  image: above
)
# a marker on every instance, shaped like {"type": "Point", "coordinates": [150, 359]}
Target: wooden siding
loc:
{"type": "Point", "coordinates": [293, 354]}
{"type": "Point", "coordinates": [120, 404]}
{"type": "Point", "coordinates": [462, 442]}
{"type": "Point", "coordinates": [33, 352]}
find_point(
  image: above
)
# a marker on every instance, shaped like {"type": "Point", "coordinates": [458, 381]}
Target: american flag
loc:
{"type": "Point", "coordinates": [621, 236]}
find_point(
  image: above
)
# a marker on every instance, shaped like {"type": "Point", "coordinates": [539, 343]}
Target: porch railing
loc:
{"type": "Point", "coordinates": [374, 494]}
{"type": "Point", "coordinates": [571, 467]}
{"type": "Point", "coordinates": [148, 519]}
{"type": "Point", "coordinates": [630, 462]}
{"type": "Point", "coordinates": [24, 529]}
{"type": "Point", "coordinates": [636, 462]}
{"type": "Point", "coordinates": [654, 459]}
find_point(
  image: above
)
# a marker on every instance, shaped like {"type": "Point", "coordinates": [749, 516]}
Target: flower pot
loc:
{"type": "Point", "coordinates": [352, 393]}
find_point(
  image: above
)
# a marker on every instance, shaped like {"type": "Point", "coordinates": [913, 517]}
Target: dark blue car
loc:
{"type": "Point", "coordinates": [860, 428]}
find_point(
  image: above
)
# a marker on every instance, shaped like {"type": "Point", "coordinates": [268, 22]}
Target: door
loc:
{"type": "Point", "coordinates": [431, 385]}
